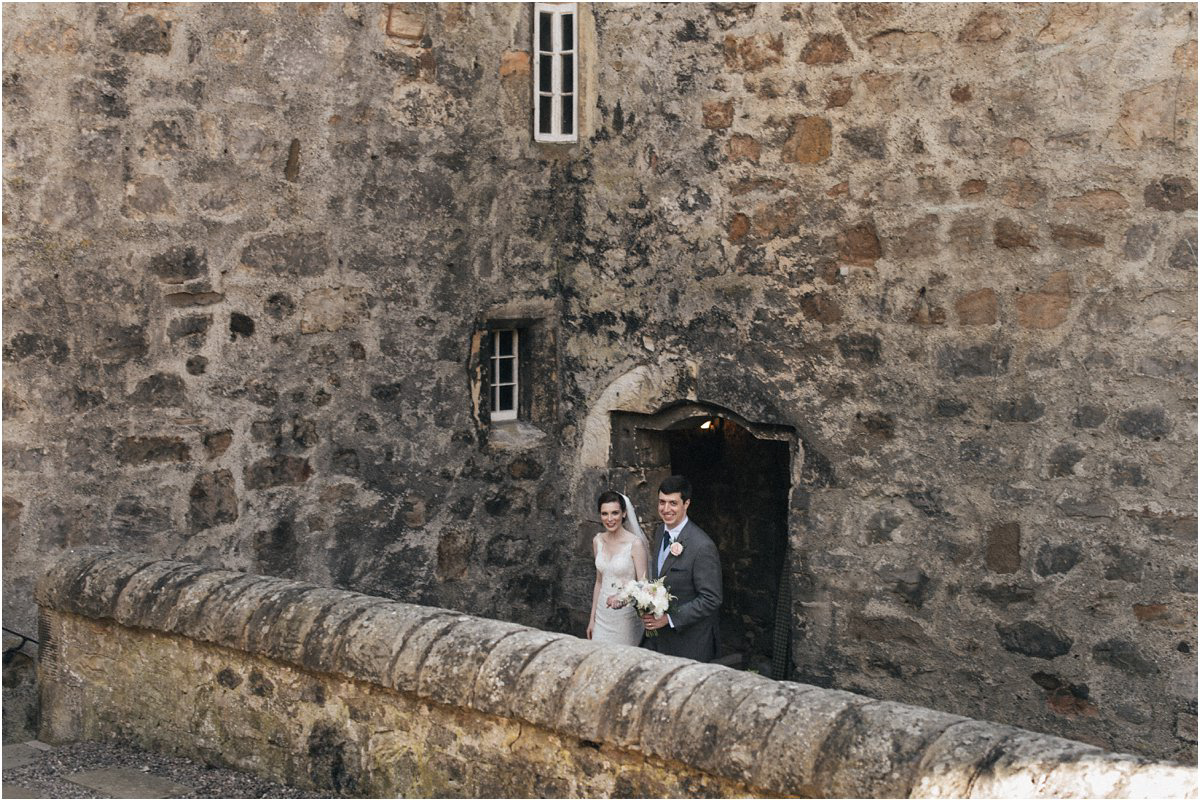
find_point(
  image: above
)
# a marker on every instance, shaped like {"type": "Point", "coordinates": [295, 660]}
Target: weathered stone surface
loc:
{"type": "Point", "coordinates": [400, 164]}
{"type": "Point", "coordinates": [720, 731]}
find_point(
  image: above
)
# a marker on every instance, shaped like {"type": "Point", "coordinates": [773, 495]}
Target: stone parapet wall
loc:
{"type": "Point", "coordinates": [359, 695]}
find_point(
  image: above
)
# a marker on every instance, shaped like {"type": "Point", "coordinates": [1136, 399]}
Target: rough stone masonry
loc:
{"type": "Point", "coordinates": [252, 253]}
{"type": "Point", "coordinates": [361, 696]}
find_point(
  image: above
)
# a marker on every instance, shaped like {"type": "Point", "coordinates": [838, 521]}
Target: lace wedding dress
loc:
{"type": "Point", "coordinates": [621, 626]}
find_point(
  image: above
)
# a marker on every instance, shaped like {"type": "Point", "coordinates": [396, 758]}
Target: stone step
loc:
{"type": "Point", "coordinates": [127, 783]}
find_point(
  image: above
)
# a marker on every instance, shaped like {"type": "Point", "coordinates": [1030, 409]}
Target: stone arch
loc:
{"type": "Point", "coordinates": [648, 406]}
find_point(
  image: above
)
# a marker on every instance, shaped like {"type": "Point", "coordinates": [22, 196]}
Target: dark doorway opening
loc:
{"type": "Point", "coordinates": [741, 479]}
{"type": "Point", "coordinates": [740, 491]}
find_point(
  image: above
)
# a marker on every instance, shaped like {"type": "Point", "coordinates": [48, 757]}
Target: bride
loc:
{"type": "Point", "coordinates": [620, 553]}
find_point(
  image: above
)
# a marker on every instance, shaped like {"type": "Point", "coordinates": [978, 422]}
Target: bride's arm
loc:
{"type": "Point", "coordinates": [640, 559]}
{"type": "Point", "coordinates": [595, 594]}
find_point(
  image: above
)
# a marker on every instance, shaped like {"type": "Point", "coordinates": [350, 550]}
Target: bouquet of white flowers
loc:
{"type": "Point", "coordinates": [647, 597]}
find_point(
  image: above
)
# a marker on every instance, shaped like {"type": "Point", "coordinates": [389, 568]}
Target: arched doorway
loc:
{"type": "Point", "coordinates": [741, 479]}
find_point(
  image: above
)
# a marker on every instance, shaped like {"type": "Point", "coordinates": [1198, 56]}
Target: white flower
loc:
{"type": "Point", "coordinates": [676, 548]}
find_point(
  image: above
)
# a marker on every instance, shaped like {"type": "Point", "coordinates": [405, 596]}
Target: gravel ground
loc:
{"type": "Point", "coordinates": [46, 775]}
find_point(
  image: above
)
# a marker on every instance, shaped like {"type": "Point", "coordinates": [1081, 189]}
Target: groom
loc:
{"type": "Point", "coordinates": [683, 553]}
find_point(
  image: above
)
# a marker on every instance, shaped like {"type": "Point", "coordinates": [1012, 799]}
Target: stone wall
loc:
{"type": "Point", "coordinates": [250, 250]}
{"type": "Point", "coordinates": [357, 695]}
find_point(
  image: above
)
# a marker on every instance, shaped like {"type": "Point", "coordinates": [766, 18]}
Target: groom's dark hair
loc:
{"type": "Point", "coordinates": [673, 484]}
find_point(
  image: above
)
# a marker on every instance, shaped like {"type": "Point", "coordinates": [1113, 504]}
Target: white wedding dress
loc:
{"type": "Point", "coordinates": [621, 626]}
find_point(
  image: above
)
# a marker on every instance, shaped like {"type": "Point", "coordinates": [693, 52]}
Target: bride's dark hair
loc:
{"type": "Point", "coordinates": [610, 496]}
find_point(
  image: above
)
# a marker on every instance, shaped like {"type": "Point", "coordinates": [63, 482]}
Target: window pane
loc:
{"type": "Point", "coordinates": [545, 72]}
{"type": "Point", "coordinates": [568, 114]}
{"type": "Point", "coordinates": [506, 372]}
{"type": "Point", "coordinates": [568, 72]}
{"type": "Point", "coordinates": [545, 31]}
{"type": "Point", "coordinates": [504, 343]}
{"type": "Point", "coordinates": [544, 106]}
{"type": "Point", "coordinates": [568, 35]}
{"type": "Point", "coordinates": [505, 399]}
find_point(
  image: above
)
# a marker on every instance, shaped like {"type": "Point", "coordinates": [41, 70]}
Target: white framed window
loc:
{"type": "Point", "coordinates": [555, 72]}
{"type": "Point", "coordinates": [504, 372]}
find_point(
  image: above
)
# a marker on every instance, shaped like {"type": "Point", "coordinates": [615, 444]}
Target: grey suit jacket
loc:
{"type": "Point", "coordinates": [694, 578]}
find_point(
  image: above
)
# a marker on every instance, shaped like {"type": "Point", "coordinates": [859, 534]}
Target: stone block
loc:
{"type": "Point", "coordinates": [859, 245]}
{"type": "Point", "coordinates": [128, 783]}
{"type": "Point", "coordinates": [1148, 422]}
{"type": "Point", "coordinates": [826, 48]}
{"type": "Point", "coordinates": [1073, 237]}
{"type": "Point", "coordinates": [1033, 639]}
{"type": "Point", "coordinates": [717, 114]}
{"type": "Point", "coordinates": [294, 254]}
{"type": "Point", "coordinates": [597, 706]}
{"type": "Point", "coordinates": [1171, 193]}
{"type": "Point", "coordinates": [877, 748]}
{"type": "Point", "coordinates": [537, 693]}
{"type": "Point", "coordinates": [148, 450]}
{"type": "Point", "coordinates": [1047, 308]}
{"type": "Point", "coordinates": [454, 661]}
{"type": "Point", "coordinates": [977, 308]}
{"type": "Point", "coordinates": [753, 53]}
{"type": "Point", "coordinates": [332, 309]}
{"type": "Point", "coordinates": [984, 27]}
{"type": "Point", "coordinates": [374, 637]}
{"type": "Point", "coordinates": [810, 141]}
{"type": "Point", "coordinates": [1095, 201]}
{"type": "Point", "coordinates": [904, 46]}
{"type": "Point", "coordinates": [665, 703]}
{"type": "Point", "coordinates": [972, 361]}
{"type": "Point", "coordinates": [743, 148]}
{"type": "Point", "coordinates": [1147, 115]}
{"type": "Point", "coordinates": [954, 759]}
{"type": "Point", "coordinates": [492, 693]}
{"type": "Point", "coordinates": [406, 27]}
{"type": "Point", "coordinates": [790, 757]}
{"type": "Point", "coordinates": [1003, 554]}
{"type": "Point", "coordinates": [1009, 235]}
{"type": "Point", "coordinates": [277, 471]}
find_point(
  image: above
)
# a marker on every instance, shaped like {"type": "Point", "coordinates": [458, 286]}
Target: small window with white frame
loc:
{"type": "Point", "coordinates": [504, 375]}
{"type": "Point", "coordinates": [555, 72]}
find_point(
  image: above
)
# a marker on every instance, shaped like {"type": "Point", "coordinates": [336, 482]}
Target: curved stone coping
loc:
{"type": "Point", "coordinates": [781, 738]}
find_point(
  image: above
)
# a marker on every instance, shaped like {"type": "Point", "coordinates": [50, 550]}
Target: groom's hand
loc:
{"type": "Point", "coordinates": [651, 622]}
